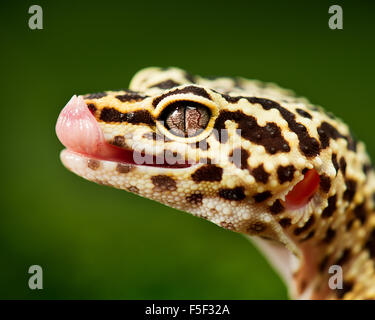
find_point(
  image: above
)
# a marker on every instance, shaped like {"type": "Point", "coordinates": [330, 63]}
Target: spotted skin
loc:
{"type": "Point", "coordinates": [281, 137]}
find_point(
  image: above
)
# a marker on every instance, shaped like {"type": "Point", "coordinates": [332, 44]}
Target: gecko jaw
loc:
{"type": "Point", "coordinates": [79, 132]}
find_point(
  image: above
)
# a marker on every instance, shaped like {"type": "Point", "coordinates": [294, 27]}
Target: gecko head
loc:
{"type": "Point", "coordinates": [244, 163]}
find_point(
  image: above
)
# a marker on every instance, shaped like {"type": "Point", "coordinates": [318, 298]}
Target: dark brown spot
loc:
{"type": "Point", "coordinates": [360, 212]}
{"type": "Point", "coordinates": [285, 173]}
{"type": "Point", "coordinates": [326, 132]}
{"type": "Point", "coordinates": [349, 224]}
{"type": "Point", "coordinates": [96, 95]}
{"type": "Point", "coordinates": [236, 194]}
{"type": "Point", "coordinates": [136, 117]}
{"type": "Point", "coordinates": [366, 168]}
{"type": "Point", "coordinates": [207, 173]}
{"type": "Point", "coordinates": [269, 136]}
{"type": "Point", "coordinates": [351, 187]}
{"type": "Point", "coordinates": [119, 141]}
{"type": "Point", "coordinates": [195, 198]}
{"type": "Point", "coordinates": [131, 96]}
{"type": "Point", "coordinates": [323, 264]}
{"type": "Point", "coordinates": [112, 115]}
{"type": "Point", "coordinates": [330, 234]}
{"type": "Point", "coordinates": [163, 183]}
{"type": "Point", "coordinates": [343, 165]}
{"type": "Point", "coordinates": [203, 145]}
{"type": "Point", "coordinates": [213, 211]}
{"type": "Point", "coordinates": [304, 113]}
{"type": "Point", "coordinates": [285, 222]}
{"type": "Point", "coordinates": [256, 227]}
{"type": "Point", "coordinates": [167, 84]}
{"type": "Point", "coordinates": [141, 116]}
{"type": "Point", "coordinates": [92, 108]}
{"type": "Point", "coordinates": [259, 197]}
{"type": "Point", "coordinates": [331, 208]}
{"type": "Point", "coordinates": [232, 99]}
{"type": "Point", "coordinates": [308, 145]}
{"type": "Point", "coordinates": [260, 174]}
{"type": "Point", "coordinates": [307, 226]}
{"type": "Point", "coordinates": [343, 258]}
{"type": "Point", "coordinates": [325, 183]}
{"type": "Point", "coordinates": [346, 287]}
{"type": "Point", "coordinates": [239, 158]}
{"type": "Point", "coordinates": [370, 244]}
{"type": "Point", "coordinates": [133, 189]}
{"type": "Point", "coordinates": [123, 168]}
{"type": "Point", "coordinates": [308, 237]}
{"type": "Point", "coordinates": [276, 207]}
{"type": "Point", "coordinates": [352, 142]}
{"type": "Point", "coordinates": [93, 164]}
{"type": "Point", "coordinates": [334, 162]}
{"type": "Point", "coordinates": [188, 89]}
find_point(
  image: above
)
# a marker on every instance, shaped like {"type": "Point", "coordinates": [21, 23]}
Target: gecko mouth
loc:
{"type": "Point", "coordinates": [78, 130]}
{"type": "Point", "coordinates": [303, 191]}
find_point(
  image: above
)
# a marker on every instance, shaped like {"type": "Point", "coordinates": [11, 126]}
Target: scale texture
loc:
{"type": "Point", "coordinates": [252, 158]}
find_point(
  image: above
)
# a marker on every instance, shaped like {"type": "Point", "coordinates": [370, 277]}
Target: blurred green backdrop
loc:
{"type": "Point", "coordinates": [97, 242]}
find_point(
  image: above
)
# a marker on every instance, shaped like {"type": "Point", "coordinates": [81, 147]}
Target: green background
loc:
{"type": "Point", "coordinates": [96, 242]}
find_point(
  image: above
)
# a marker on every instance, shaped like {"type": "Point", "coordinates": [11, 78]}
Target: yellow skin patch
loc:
{"type": "Point", "coordinates": [336, 226]}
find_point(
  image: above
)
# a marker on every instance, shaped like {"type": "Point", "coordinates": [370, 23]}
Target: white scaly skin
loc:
{"type": "Point", "coordinates": [282, 137]}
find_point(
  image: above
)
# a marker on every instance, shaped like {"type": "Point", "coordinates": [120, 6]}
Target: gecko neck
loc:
{"type": "Point", "coordinates": [340, 266]}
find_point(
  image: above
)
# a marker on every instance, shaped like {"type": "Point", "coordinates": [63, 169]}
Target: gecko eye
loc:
{"type": "Point", "coordinates": [185, 118]}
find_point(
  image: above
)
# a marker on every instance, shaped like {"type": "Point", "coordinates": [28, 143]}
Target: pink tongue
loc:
{"type": "Point", "coordinates": [78, 131]}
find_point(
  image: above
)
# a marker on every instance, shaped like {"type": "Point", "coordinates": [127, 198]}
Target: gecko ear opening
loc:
{"type": "Point", "coordinates": [303, 191]}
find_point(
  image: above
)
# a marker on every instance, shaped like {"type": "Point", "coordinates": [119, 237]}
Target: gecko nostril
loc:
{"type": "Point", "coordinates": [92, 108]}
